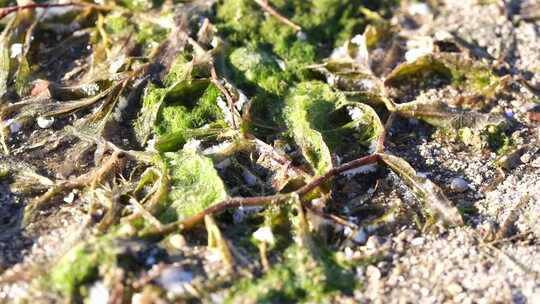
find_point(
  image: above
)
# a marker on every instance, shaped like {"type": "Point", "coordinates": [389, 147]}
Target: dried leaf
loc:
{"type": "Point", "coordinates": [439, 114]}
{"type": "Point", "coordinates": [464, 73]}
{"type": "Point", "coordinates": [426, 191]}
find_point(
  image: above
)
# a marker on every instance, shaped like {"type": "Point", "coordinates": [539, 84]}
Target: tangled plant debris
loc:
{"type": "Point", "coordinates": [269, 124]}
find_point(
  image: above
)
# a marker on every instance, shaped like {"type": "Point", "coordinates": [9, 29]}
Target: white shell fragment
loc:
{"type": "Point", "coordinates": [421, 9]}
{"type": "Point", "coordinates": [16, 50]}
{"type": "Point", "coordinates": [265, 235]}
{"type": "Point", "coordinates": [69, 198]}
{"type": "Point", "coordinates": [44, 122]}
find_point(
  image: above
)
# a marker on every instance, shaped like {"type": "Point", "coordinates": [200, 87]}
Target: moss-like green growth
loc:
{"type": "Point", "coordinates": [307, 107]}
{"type": "Point", "coordinates": [81, 265]}
{"type": "Point", "coordinates": [195, 184]}
{"type": "Point", "coordinates": [189, 109]}
{"type": "Point", "coordinates": [141, 5]}
{"type": "Point", "coordinates": [187, 106]}
{"type": "Point", "coordinates": [149, 35]}
{"type": "Point", "coordinates": [322, 120]}
{"type": "Point", "coordinates": [498, 140]}
{"type": "Point", "coordinates": [116, 23]}
{"type": "Point", "coordinates": [301, 277]}
{"type": "Point", "coordinates": [259, 69]}
{"type": "Point", "coordinates": [325, 24]}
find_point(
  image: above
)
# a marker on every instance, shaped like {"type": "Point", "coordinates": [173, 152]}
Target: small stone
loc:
{"type": "Point", "coordinates": [265, 235]}
{"type": "Point", "coordinates": [16, 50]}
{"type": "Point", "coordinates": [419, 241]}
{"type": "Point", "coordinates": [458, 184]}
{"type": "Point", "coordinates": [98, 293]}
{"type": "Point", "coordinates": [374, 243]}
{"type": "Point", "coordinates": [454, 289]}
{"type": "Point", "coordinates": [14, 126]}
{"type": "Point", "coordinates": [69, 198]}
{"type": "Point", "coordinates": [421, 9]}
{"type": "Point", "coordinates": [45, 123]}
{"type": "Point", "coordinates": [174, 279]}
{"type": "Point", "coordinates": [406, 235]}
{"type": "Point", "coordinates": [373, 273]}
{"type": "Point", "coordinates": [360, 237]}
{"type": "Point", "coordinates": [177, 241]}
{"type": "Point", "coordinates": [525, 158]}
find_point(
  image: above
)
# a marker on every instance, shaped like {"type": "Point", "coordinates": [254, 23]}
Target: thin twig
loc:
{"type": "Point", "coordinates": [12, 9]}
{"type": "Point", "coordinates": [236, 202]}
{"type": "Point", "coordinates": [382, 137]}
{"type": "Point", "coordinates": [359, 162]}
{"type": "Point", "coordinates": [266, 7]}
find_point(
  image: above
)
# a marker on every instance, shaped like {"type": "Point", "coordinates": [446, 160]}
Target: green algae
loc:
{"type": "Point", "coordinates": [194, 185]}
{"type": "Point", "coordinates": [258, 69]}
{"type": "Point", "coordinates": [81, 265]}
{"type": "Point", "coordinates": [302, 277]}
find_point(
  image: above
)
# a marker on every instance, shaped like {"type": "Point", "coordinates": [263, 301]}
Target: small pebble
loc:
{"type": "Point", "coordinates": [98, 293]}
{"type": "Point", "coordinates": [373, 273]}
{"type": "Point", "coordinates": [265, 235]}
{"type": "Point", "coordinates": [69, 198]}
{"type": "Point", "coordinates": [419, 241]}
{"type": "Point", "coordinates": [536, 163]}
{"type": "Point", "coordinates": [525, 158]}
{"type": "Point", "coordinates": [173, 279]}
{"type": "Point", "coordinates": [374, 243]}
{"type": "Point", "coordinates": [407, 235]}
{"type": "Point", "coordinates": [177, 241]}
{"type": "Point", "coordinates": [458, 184]}
{"type": "Point", "coordinates": [361, 236]}
{"type": "Point", "coordinates": [454, 289]}
{"type": "Point", "coordinates": [45, 123]}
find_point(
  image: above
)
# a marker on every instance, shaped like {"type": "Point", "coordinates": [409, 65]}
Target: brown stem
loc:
{"type": "Point", "coordinates": [236, 202]}
{"type": "Point", "coordinates": [264, 5]}
{"type": "Point", "coordinates": [382, 137]}
{"type": "Point", "coordinates": [359, 162]}
{"type": "Point", "coordinates": [12, 9]}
